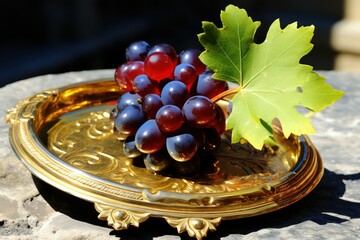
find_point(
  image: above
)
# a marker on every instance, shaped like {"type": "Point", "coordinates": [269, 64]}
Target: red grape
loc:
{"type": "Point", "coordinates": [169, 118]}
{"type": "Point", "coordinates": [125, 74]}
{"type": "Point", "coordinates": [167, 49]}
{"type": "Point", "coordinates": [199, 111]}
{"type": "Point", "coordinates": [158, 66]}
{"type": "Point", "coordinates": [219, 121]}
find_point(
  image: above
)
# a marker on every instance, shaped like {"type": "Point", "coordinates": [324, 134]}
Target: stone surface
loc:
{"type": "Point", "coordinates": [31, 209]}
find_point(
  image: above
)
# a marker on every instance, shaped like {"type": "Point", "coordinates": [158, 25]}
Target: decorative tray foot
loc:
{"type": "Point", "coordinates": [120, 219]}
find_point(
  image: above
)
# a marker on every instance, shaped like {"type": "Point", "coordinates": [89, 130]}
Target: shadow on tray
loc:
{"type": "Point", "coordinates": [323, 205]}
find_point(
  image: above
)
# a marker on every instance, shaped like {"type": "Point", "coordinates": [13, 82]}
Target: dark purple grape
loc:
{"type": "Point", "coordinates": [127, 99]}
{"type": "Point", "coordinates": [113, 114]}
{"type": "Point", "coordinates": [199, 111]}
{"type": "Point", "coordinates": [149, 138]}
{"type": "Point", "coordinates": [119, 136]}
{"type": "Point", "coordinates": [181, 147]}
{"type": "Point", "coordinates": [167, 49]}
{"type": "Point", "coordinates": [129, 119]}
{"type": "Point", "coordinates": [212, 139]}
{"type": "Point", "coordinates": [174, 93]}
{"type": "Point", "coordinates": [191, 56]}
{"type": "Point", "coordinates": [125, 74]}
{"type": "Point", "coordinates": [219, 121]}
{"type": "Point", "coordinates": [186, 73]}
{"type": "Point", "coordinates": [137, 51]}
{"type": "Point", "coordinates": [199, 135]}
{"type": "Point", "coordinates": [209, 87]}
{"type": "Point", "coordinates": [142, 85]}
{"type": "Point", "coordinates": [151, 103]}
{"type": "Point", "coordinates": [169, 118]}
{"type": "Point", "coordinates": [129, 148]}
{"type": "Point", "coordinates": [157, 162]}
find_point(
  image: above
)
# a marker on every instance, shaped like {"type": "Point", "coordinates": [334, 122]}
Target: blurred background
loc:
{"type": "Point", "coordinates": [54, 36]}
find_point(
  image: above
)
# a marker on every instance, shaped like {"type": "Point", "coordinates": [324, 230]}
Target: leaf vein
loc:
{"type": "Point", "coordinates": [266, 66]}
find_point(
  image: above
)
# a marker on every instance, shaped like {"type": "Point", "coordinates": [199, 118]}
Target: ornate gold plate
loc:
{"type": "Point", "coordinates": [64, 137]}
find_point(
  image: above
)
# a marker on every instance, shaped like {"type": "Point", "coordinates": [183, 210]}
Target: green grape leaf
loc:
{"type": "Point", "coordinates": [272, 84]}
{"type": "Point", "coordinates": [226, 47]}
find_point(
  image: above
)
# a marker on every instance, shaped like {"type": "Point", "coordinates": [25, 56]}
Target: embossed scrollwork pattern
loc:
{"type": "Point", "coordinates": [88, 143]}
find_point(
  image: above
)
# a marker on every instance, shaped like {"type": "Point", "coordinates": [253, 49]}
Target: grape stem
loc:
{"type": "Point", "coordinates": [226, 93]}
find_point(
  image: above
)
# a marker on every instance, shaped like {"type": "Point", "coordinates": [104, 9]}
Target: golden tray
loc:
{"type": "Point", "coordinates": [64, 137]}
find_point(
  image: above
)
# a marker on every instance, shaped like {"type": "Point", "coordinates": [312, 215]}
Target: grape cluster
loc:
{"type": "Point", "coordinates": [165, 115]}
